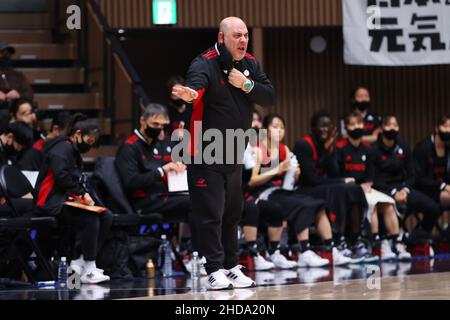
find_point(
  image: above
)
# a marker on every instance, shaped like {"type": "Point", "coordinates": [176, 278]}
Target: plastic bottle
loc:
{"type": "Point", "coordinates": [150, 269]}
{"type": "Point", "coordinates": [62, 272]}
{"type": "Point", "coordinates": [289, 178]}
{"type": "Point", "coordinates": [165, 257]}
{"type": "Point", "coordinates": [195, 273]}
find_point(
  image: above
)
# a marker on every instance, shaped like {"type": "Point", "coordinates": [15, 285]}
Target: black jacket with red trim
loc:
{"type": "Point", "coordinates": [220, 105]}
{"type": "Point", "coordinates": [393, 167]}
{"type": "Point", "coordinates": [139, 165]}
{"type": "Point", "coordinates": [59, 176]}
{"type": "Point", "coordinates": [32, 159]}
{"type": "Point", "coordinates": [352, 162]}
{"type": "Point", "coordinates": [433, 172]}
{"type": "Point", "coordinates": [315, 162]}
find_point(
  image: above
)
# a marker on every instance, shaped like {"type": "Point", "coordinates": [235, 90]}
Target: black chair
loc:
{"type": "Point", "coordinates": [14, 185]}
{"type": "Point", "coordinates": [111, 194]}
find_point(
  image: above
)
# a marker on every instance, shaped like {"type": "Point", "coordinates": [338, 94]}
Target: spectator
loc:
{"type": "Point", "coordinates": [179, 111]}
{"type": "Point", "coordinates": [15, 139]}
{"type": "Point", "coordinates": [13, 84]}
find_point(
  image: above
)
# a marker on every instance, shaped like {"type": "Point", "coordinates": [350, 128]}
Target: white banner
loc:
{"type": "Point", "coordinates": [396, 32]}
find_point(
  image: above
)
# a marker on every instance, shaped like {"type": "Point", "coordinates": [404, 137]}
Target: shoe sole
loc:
{"type": "Point", "coordinates": [230, 287]}
{"type": "Point", "coordinates": [244, 287]}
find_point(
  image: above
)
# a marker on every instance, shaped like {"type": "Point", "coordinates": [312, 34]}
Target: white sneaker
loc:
{"type": "Point", "coordinates": [311, 259]}
{"type": "Point", "coordinates": [78, 267]}
{"type": "Point", "coordinates": [281, 262]}
{"type": "Point", "coordinates": [94, 276]}
{"type": "Point", "coordinates": [262, 264]}
{"type": "Point", "coordinates": [386, 251]}
{"type": "Point", "coordinates": [402, 254]}
{"type": "Point", "coordinates": [339, 259]}
{"type": "Point", "coordinates": [238, 279]}
{"type": "Point", "coordinates": [218, 281]}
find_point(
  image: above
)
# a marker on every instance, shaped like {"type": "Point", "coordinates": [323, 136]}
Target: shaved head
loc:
{"type": "Point", "coordinates": [230, 22]}
{"type": "Point", "coordinates": [233, 32]}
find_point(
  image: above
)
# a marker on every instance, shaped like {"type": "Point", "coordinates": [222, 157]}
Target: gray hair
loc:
{"type": "Point", "coordinates": [155, 109]}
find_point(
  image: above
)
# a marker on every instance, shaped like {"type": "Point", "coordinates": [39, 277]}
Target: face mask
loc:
{"type": "Point", "coordinates": [390, 134]}
{"type": "Point", "coordinates": [225, 58]}
{"type": "Point", "coordinates": [445, 136]}
{"type": "Point", "coordinates": [83, 147]}
{"type": "Point", "coordinates": [9, 151]}
{"type": "Point", "coordinates": [152, 133]}
{"type": "Point", "coordinates": [356, 133]}
{"type": "Point", "coordinates": [362, 106]}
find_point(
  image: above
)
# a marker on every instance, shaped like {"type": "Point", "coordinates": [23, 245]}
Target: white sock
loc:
{"type": "Point", "coordinates": [89, 266]}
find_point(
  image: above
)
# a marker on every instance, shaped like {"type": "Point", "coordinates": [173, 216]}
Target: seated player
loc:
{"type": "Point", "coordinates": [352, 159]}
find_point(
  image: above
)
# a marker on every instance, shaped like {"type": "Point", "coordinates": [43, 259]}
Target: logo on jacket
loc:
{"type": "Point", "coordinates": [201, 183]}
{"type": "Point", "coordinates": [364, 158]}
{"type": "Point", "coordinates": [246, 73]}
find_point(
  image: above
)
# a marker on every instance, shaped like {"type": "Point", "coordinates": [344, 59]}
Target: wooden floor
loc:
{"type": "Point", "coordinates": [433, 286]}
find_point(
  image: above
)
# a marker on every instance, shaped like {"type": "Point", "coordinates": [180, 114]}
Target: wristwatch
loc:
{"type": "Point", "coordinates": [248, 86]}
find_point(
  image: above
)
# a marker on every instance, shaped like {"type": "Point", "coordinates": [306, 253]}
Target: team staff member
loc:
{"type": "Point", "coordinates": [394, 175]}
{"type": "Point", "coordinates": [223, 83]}
{"type": "Point", "coordinates": [33, 158]}
{"type": "Point", "coordinates": [432, 157]}
{"type": "Point", "coordinates": [143, 163]}
{"type": "Point", "coordinates": [61, 177]}
{"type": "Point", "coordinates": [352, 159]}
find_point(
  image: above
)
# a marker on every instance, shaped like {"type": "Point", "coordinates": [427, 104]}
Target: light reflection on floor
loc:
{"type": "Point", "coordinates": [121, 289]}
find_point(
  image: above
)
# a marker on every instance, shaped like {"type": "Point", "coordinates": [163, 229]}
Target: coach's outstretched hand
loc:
{"type": "Point", "coordinates": [185, 93]}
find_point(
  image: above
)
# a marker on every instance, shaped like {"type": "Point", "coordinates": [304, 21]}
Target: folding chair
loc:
{"type": "Point", "coordinates": [14, 185]}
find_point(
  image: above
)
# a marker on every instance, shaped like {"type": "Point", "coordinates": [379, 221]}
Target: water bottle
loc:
{"type": "Point", "coordinates": [165, 257]}
{"type": "Point", "coordinates": [195, 272]}
{"type": "Point", "coordinates": [62, 272]}
{"type": "Point", "coordinates": [289, 178]}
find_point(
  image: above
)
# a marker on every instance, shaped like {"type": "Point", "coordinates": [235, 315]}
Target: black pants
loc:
{"type": "Point", "coordinates": [262, 213]}
{"type": "Point", "coordinates": [173, 207]}
{"type": "Point", "coordinates": [92, 229]}
{"type": "Point", "coordinates": [299, 210]}
{"type": "Point", "coordinates": [339, 199]}
{"type": "Point", "coordinates": [217, 204]}
{"type": "Point", "coordinates": [419, 202]}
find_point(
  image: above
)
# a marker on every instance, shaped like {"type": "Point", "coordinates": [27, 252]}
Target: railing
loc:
{"type": "Point", "coordinates": [117, 70]}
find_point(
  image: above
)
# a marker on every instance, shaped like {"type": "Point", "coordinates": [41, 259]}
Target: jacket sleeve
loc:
{"type": "Point", "coordinates": [370, 168]}
{"type": "Point", "coordinates": [423, 171]}
{"type": "Point", "coordinates": [410, 170]}
{"type": "Point", "coordinates": [263, 92]}
{"type": "Point", "coordinates": [197, 77]}
{"type": "Point", "coordinates": [309, 175]}
{"type": "Point", "coordinates": [62, 166]}
{"type": "Point", "coordinates": [128, 168]}
{"type": "Point", "coordinates": [335, 168]}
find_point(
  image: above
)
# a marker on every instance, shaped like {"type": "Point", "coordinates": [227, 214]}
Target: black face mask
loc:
{"type": "Point", "coordinates": [390, 134]}
{"type": "Point", "coordinates": [445, 136]}
{"type": "Point", "coordinates": [361, 106]}
{"type": "Point", "coordinates": [153, 133]}
{"type": "Point", "coordinates": [83, 147]}
{"type": "Point", "coordinates": [356, 133]}
{"type": "Point", "coordinates": [225, 58]}
{"type": "Point", "coordinates": [9, 151]}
